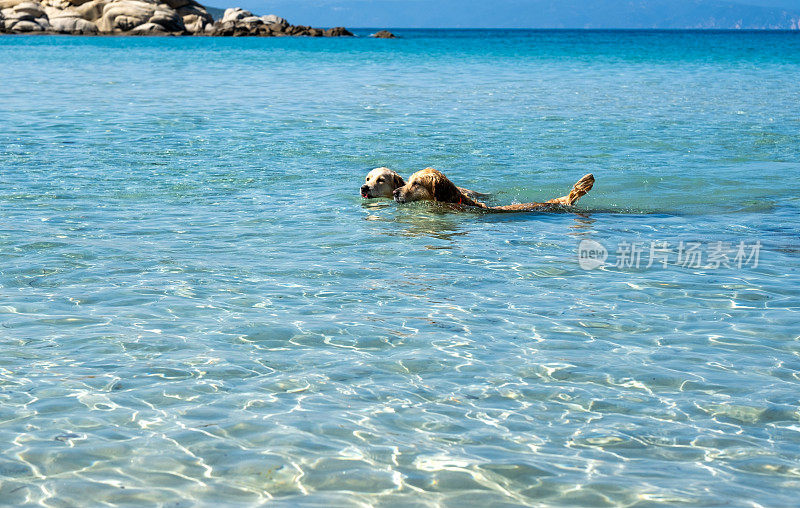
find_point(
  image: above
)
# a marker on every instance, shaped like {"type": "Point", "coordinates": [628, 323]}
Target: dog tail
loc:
{"type": "Point", "coordinates": [580, 189]}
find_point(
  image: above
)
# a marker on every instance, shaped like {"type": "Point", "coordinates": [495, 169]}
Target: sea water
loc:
{"type": "Point", "coordinates": [197, 307]}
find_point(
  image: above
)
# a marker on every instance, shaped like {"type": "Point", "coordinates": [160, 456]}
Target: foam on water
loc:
{"type": "Point", "coordinates": [198, 308]}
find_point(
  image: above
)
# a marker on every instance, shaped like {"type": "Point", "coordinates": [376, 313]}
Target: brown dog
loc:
{"type": "Point", "coordinates": [382, 182]}
{"type": "Point", "coordinates": [431, 185]}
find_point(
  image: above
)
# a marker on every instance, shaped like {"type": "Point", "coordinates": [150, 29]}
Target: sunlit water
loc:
{"type": "Point", "coordinates": [198, 308]}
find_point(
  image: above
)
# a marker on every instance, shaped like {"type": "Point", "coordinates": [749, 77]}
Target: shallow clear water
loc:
{"type": "Point", "coordinates": [198, 308]}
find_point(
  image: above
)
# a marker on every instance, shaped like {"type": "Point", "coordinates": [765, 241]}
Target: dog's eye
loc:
{"type": "Point", "coordinates": [380, 180]}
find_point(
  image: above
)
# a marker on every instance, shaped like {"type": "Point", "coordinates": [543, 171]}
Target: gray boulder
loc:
{"type": "Point", "coordinates": [143, 17]}
{"type": "Point", "coordinates": [196, 19]}
{"type": "Point", "coordinates": [168, 19]}
{"type": "Point", "coordinates": [24, 11]}
{"type": "Point", "coordinates": [148, 28]}
{"type": "Point", "coordinates": [74, 3]}
{"type": "Point", "coordinates": [272, 19]}
{"type": "Point", "coordinates": [23, 17]}
{"type": "Point", "coordinates": [24, 26]}
{"type": "Point", "coordinates": [251, 20]}
{"type": "Point", "coordinates": [177, 4]}
{"type": "Point", "coordinates": [34, 9]}
{"type": "Point", "coordinates": [71, 25]}
{"type": "Point", "coordinates": [90, 11]}
{"type": "Point", "coordinates": [125, 15]}
{"type": "Point", "coordinates": [235, 14]}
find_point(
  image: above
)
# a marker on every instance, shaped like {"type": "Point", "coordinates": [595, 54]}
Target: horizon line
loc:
{"type": "Point", "coordinates": [594, 29]}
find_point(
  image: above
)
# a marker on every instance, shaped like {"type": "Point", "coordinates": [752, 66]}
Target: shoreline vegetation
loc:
{"type": "Point", "coordinates": [144, 17]}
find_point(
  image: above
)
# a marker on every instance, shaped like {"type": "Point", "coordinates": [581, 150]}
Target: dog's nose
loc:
{"type": "Point", "coordinates": [364, 189]}
{"type": "Point", "coordinates": [396, 195]}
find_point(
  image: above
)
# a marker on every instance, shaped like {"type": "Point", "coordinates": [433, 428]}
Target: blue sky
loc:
{"type": "Point", "coordinates": [264, 5]}
{"type": "Point", "coordinates": [529, 13]}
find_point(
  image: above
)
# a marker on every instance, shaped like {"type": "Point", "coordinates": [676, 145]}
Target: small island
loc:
{"type": "Point", "coordinates": [144, 17]}
{"type": "Point", "coordinates": [383, 34]}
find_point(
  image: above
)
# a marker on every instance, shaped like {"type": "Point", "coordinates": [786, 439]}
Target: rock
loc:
{"type": "Point", "coordinates": [383, 34]}
{"type": "Point", "coordinates": [296, 30]}
{"type": "Point", "coordinates": [90, 11]}
{"type": "Point", "coordinates": [26, 11]}
{"type": "Point", "coordinates": [32, 8]}
{"type": "Point", "coordinates": [197, 23]}
{"type": "Point", "coordinates": [56, 12]}
{"type": "Point", "coordinates": [235, 29]}
{"type": "Point", "coordinates": [24, 26]}
{"type": "Point", "coordinates": [70, 25]}
{"type": "Point", "coordinates": [168, 19]}
{"type": "Point", "coordinates": [338, 31]}
{"type": "Point", "coordinates": [220, 29]}
{"type": "Point", "coordinates": [251, 20]}
{"type": "Point", "coordinates": [144, 17]}
{"type": "Point", "coordinates": [195, 18]}
{"type": "Point", "coordinates": [235, 14]}
{"type": "Point", "coordinates": [125, 23]}
{"type": "Point", "coordinates": [272, 19]}
{"type": "Point", "coordinates": [125, 15]}
{"type": "Point", "coordinates": [23, 17]}
{"type": "Point", "coordinates": [11, 16]}
{"type": "Point", "coordinates": [148, 28]}
{"type": "Point", "coordinates": [177, 4]}
{"type": "Point", "coordinates": [235, 24]}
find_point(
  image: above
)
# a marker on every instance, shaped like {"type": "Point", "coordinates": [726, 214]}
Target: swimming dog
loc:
{"type": "Point", "coordinates": [431, 185]}
{"type": "Point", "coordinates": [382, 182]}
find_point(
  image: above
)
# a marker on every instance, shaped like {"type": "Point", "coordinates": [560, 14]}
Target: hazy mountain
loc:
{"type": "Point", "coordinates": [216, 12]}
{"type": "Point", "coordinates": [785, 4]}
{"type": "Point", "coordinates": [723, 14]}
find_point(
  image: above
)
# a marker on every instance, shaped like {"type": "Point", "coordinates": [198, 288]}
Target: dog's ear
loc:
{"type": "Point", "coordinates": [445, 191]}
{"type": "Point", "coordinates": [398, 181]}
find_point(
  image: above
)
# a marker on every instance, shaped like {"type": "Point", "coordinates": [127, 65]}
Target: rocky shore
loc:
{"type": "Point", "coordinates": [143, 17]}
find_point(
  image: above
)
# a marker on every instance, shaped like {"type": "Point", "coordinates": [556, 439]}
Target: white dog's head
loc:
{"type": "Point", "coordinates": [381, 183]}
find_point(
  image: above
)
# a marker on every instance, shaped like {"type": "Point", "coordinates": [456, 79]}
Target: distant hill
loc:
{"type": "Point", "coordinates": [785, 4]}
{"type": "Point", "coordinates": [215, 12]}
{"type": "Point", "coordinates": [665, 14]}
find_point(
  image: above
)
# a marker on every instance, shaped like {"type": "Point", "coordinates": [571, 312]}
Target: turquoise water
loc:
{"type": "Point", "coordinates": [198, 308]}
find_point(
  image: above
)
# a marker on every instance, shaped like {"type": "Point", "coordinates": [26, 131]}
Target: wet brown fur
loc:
{"type": "Point", "coordinates": [382, 182]}
{"type": "Point", "coordinates": [431, 185]}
